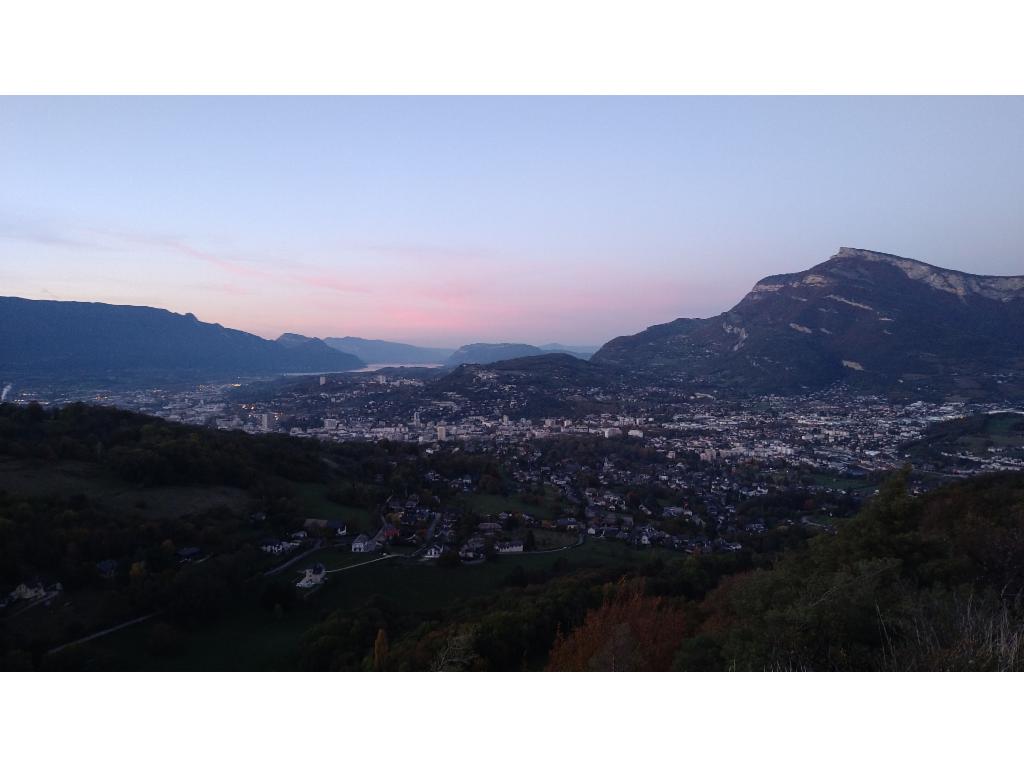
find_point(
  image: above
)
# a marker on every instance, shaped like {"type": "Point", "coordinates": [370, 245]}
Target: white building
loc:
{"type": "Point", "coordinates": [434, 551]}
{"type": "Point", "coordinates": [364, 543]}
{"type": "Point", "coordinates": [312, 577]}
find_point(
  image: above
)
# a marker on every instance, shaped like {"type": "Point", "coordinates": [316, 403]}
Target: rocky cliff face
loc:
{"type": "Point", "coordinates": [871, 319]}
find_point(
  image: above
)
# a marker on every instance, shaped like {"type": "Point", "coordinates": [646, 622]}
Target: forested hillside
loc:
{"type": "Point", "coordinates": [136, 518]}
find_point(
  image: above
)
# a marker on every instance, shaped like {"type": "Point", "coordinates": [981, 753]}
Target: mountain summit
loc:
{"type": "Point", "coordinates": [871, 319]}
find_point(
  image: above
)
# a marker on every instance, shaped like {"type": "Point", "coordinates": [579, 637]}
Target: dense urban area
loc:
{"type": "Point", "coordinates": [707, 455]}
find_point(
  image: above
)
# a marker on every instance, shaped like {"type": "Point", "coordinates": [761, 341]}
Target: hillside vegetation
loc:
{"type": "Point", "coordinates": [929, 582]}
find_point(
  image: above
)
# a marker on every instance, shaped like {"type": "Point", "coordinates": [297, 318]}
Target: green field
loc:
{"type": "Point", "coordinates": [492, 504]}
{"type": "Point", "coordinates": [972, 435]}
{"type": "Point", "coordinates": [313, 497]}
{"type": "Point", "coordinates": [842, 483]}
{"type": "Point", "coordinates": [66, 478]}
{"type": "Point", "coordinates": [547, 539]}
{"type": "Point", "coordinates": [251, 637]}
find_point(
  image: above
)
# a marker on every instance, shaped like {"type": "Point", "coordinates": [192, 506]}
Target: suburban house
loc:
{"type": "Point", "coordinates": [312, 577]}
{"type": "Point", "coordinates": [275, 547]}
{"type": "Point", "coordinates": [434, 551]}
{"type": "Point", "coordinates": [26, 591]}
{"type": "Point", "coordinates": [508, 547]}
{"type": "Point", "coordinates": [337, 527]}
{"type": "Point", "coordinates": [364, 543]}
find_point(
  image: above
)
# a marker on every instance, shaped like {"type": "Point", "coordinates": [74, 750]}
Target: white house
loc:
{"type": "Point", "coordinates": [508, 547]}
{"type": "Point", "coordinates": [364, 543]}
{"type": "Point", "coordinates": [312, 577]}
{"type": "Point", "coordinates": [28, 592]}
{"type": "Point", "coordinates": [279, 547]}
{"type": "Point", "coordinates": [434, 551]}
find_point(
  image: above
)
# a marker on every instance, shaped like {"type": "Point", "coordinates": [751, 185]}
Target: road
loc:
{"type": "Point", "coordinates": [359, 565]}
{"type": "Point", "coordinates": [579, 543]}
{"type": "Point", "coordinates": [271, 572]}
{"type": "Point", "coordinates": [103, 632]}
{"type": "Point", "coordinates": [429, 536]}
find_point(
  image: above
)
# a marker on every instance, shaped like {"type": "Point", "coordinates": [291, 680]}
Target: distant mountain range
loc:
{"type": "Point", "coordinates": [493, 353]}
{"type": "Point", "coordinates": [870, 320]}
{"type": "Point", "coordinates": [873, 320]}
{"type": "Point", "coordinates": [377, 351]}
{"type": "Point", "coordinates": [582, 351]}
{"type": "Point", "coordinates": [71, 339]}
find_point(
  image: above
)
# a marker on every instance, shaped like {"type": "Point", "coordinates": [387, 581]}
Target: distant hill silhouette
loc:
{"type": "Point", "coordinates": [66, 339]}
{"type": "Point", "coordinates": [582, 351]}
{"type": "Point", "coordinates": [378, 351]}
{"type": "Point", "coordinates": [492, 353]}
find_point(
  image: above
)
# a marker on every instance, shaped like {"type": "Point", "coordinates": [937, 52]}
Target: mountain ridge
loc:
{"type": "Point", "coordinates": [67, 339]}
{"type": "Point", "coordinates": [381, 351]}
{"type": "Point", "coordinates": [868, 318]}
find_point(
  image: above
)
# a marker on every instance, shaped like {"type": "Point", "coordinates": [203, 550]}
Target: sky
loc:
{"type": "Point", "coordinates": [454, 220]}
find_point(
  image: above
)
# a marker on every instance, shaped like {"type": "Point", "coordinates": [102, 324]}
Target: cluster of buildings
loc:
{"type": "Point", "coordinates": [696, 461]}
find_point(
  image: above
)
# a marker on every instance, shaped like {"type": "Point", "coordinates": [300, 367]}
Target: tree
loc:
{"type": "Point", "coordinates": [631, 631]}
{"type": "Point", "coordinates": [449, 559]}
{"type": "Point", "coordinates": [517, 577]}
{"type": "Point", "coordinates": [380, 651]}
{"type": "Point", "coordinates": [530, 542]}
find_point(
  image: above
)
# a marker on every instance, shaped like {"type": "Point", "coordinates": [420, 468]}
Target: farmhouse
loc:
{"type": "Point", "coordinates": [364, 543]}
{"type": "Point", "coordinates": [312, 577]}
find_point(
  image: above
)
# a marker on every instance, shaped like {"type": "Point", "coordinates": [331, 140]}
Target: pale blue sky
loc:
{"type": "Point", "coordinates": [449, 220]}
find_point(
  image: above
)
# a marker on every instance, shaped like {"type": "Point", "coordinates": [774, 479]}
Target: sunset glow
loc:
{"type": "Point", "coordinates": [447, 221]}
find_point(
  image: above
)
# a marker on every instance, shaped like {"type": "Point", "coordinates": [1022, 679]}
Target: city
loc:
{"type": "Point", "coordinates": [674, 468]}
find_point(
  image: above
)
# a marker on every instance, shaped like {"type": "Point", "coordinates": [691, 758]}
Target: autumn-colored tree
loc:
{"type": "Point", "coordinates": [631, 631]}
{"type": "Point", "coordinates": [380, 651]}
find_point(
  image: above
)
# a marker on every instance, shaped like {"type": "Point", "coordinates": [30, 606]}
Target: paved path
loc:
{"type": "Point", "coordinates": [103, 632]}
{"type": "Point", "coordinates": [579, 543]}
{"type": "Point", "coordinates": [359, 565]}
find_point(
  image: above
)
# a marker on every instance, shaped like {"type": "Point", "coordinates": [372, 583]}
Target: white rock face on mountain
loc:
{"type": "Point", "coordinates": [951, 281]}
{"type": "Point", "coordinates": [866, 318]}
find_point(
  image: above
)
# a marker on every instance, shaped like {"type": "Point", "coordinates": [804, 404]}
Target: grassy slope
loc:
{"type": "Point", "coordinates": [66, 478]}
{"type": "Point", "coordinates": [253, 638]}
{"type": "Point", "coordinates": [313, 497]}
